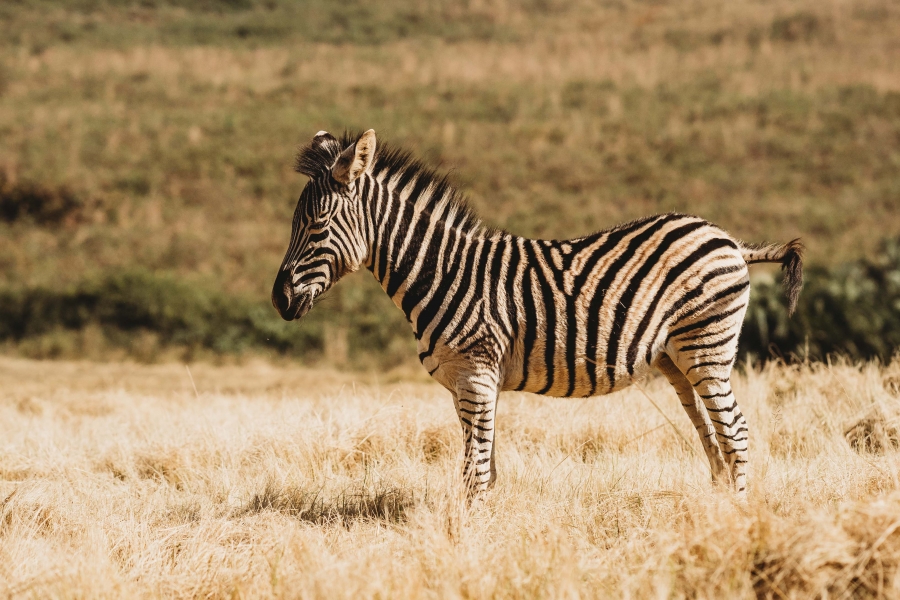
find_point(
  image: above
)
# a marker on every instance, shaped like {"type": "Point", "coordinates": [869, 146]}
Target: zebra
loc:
{"type": "Point", "coordinates": [492, 311]}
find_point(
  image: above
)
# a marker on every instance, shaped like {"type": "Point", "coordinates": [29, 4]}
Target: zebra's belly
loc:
{"type": "Point", "coordinates": [532, 372]}
{"type": "Point", "coordinates": [583, 380]}
{"type": "Point", "coordinates": [449, 367]}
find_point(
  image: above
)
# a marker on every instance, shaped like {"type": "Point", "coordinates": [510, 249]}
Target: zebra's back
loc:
{"type": "Point", "coordinates": [594, 313]}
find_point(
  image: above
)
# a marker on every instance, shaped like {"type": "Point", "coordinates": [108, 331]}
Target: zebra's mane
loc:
{"type": "Point", "coordinates": [391, 162]}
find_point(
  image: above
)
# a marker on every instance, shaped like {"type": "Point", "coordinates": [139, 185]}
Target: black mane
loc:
{"type": "Point", "coordinates": [316, 159]}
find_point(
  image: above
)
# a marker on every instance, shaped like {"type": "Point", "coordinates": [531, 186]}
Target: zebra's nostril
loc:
{"type": "Point", "coordinates": [282, 295]}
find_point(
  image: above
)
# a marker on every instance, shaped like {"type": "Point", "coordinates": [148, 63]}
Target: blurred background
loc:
{"type": "Point", "coordinates": [146, 151]}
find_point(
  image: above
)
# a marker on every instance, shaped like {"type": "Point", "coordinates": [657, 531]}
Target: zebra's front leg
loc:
{"type": "Point", "coordinates": [476, 405]}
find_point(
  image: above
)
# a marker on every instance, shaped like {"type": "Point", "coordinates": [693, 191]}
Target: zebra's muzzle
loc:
{"type": "Point", "coordinates": [282, 295]}
{"type": "Point", "coordinates": [292, 309]}
{"type": "Point", "coordinates": [289, 305]}
{"type": "Point", "coordinates": [302, 305]}
{"type": "Point", "coordinates": [290, 302]}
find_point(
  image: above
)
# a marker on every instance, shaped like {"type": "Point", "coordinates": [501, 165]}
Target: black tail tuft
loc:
{"type": "Point", "coordinates": [792, 265]}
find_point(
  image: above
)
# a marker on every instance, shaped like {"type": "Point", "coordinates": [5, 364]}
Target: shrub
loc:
{"type": "Point", "coordinates": [801, 26]}
{"type": "Point", "coordinates": [853, 310]}
{"type": "Point", "coordinates": [41, 204]}
{"type": "Point", "coordinates": [127, 303]}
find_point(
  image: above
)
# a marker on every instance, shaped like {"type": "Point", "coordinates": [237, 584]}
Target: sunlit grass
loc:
{"type": "Point", "coordinates": [270, 481]}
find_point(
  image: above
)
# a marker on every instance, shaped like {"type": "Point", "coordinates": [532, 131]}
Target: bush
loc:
{"type": "Point", "coordinates": [129, 305]}
{"type": "Point", "coordinates": [41, 204]}
{"type": "Point", "coordinates": [801, 26]}
{"type": "Point", "coordinates": [853, 310]}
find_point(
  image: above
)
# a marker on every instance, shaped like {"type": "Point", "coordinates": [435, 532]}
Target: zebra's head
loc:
{"type": "Point", "coordinates": [327, 239]}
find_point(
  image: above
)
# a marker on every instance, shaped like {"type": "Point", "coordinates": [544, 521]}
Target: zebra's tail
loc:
{"type": "Point", "coordinates": [790, 256]}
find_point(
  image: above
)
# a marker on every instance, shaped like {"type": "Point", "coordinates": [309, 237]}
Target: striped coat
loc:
{"type": "Point", "coordinates": [492, 311]}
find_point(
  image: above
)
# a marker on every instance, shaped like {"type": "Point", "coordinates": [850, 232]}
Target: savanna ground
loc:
{"type": "Point", "coordinates": [159, 135]}
{"type": "Point", "coordinates": [272, 481]}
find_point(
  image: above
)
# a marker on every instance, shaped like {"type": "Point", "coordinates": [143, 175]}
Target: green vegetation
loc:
{"type": "Point", "coordinates": [853, 310]}
{"type": "Point", "coordinates": [153, 140]}
{"type": "Point", "coordinates": [126, 23]}
{"type": "Point", "coordinates": [155, 316]}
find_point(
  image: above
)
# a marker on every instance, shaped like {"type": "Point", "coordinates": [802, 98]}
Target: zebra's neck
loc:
{"type": "Point", "coordinates": [418, 229]}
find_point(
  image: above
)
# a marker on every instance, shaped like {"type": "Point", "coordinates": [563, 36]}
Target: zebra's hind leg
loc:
{"type": "Point", "coordinates": [476, 405]}
{"type": "Point", "coordinates": [697, 414]}
{"type": "Point", "coordinates": [710, 376]}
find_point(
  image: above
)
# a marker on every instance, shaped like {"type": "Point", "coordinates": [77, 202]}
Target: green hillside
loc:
{"type": "Point", "coordinates": [153, 140]}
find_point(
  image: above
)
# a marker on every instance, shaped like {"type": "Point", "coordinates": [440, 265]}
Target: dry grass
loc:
{"type": "Point", "coordinates": [120, 480]}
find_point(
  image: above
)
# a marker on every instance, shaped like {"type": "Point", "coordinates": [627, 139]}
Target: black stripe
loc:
{"type": "Point", "coordinates": [381, 200]}
{"type": "Point", "coordinates": [609, 243]}
{"type": "Point", "coordinates": [713, 363]}
{"type": "Point", "coordinates": [571, 342]}
{"type": "Point", "coordinates": [438, 298]}
{"type": "Point", "coordinates": [671, 276]}
{"type": "Point", "coordinates": [544, 254]}
{"type": "Point", "coordinates": [476, 302]}
{"type": "Point", "coordinates": [419, 287]}
{"type": "Point", "coordinates": [471, 340]}
{"type": "Point", "coordinates": [439, 301]}
{"type": "Point", "coordinates": [490, 284]}
{"type": "Point", "coordinates": [392, 169]}
{"type": "Point", "coordinates": [399, 225]}
{"type": "Point", "coordinates": [414, 252]}
{"type": "Point", "coordinates": [737, 432]}
{"type": "Point", "coordinates": [720, 379]}
{"type": "Point", "coordinates": [404, 179]}
{"type": "Point", "coordinates": [624, 255]}
{"type": "Point", "coordinates": [737, 417]}
{"type": "Point", "coordinates": [549, 319]}
{"type": "Point", "coordinates": [623, 306]}
{"type": "Point", "coordinates": [512, 266]}
{"type": "Point", "coordinates": [371, 222]}
{"type": "Point", "coordinates": [569, 322]}
{"type": "Point", "coordinates": [529, 314]}
{"type": "Point", "coordinates": [715, 344]}
{"type": "Point", "coordinates": [391, 212]}
{"type": "Point", "coordinates": [714, 318]}
{"type": "Point", "coordinates": [693, 294]}
{"type": "Point", "coordinates": [419, 188]}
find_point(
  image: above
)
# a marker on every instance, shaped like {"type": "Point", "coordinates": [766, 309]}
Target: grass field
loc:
{"type": "Point", "coordinates": [264, 480]}
{"type": "Point", "coordinates": [172, 125]}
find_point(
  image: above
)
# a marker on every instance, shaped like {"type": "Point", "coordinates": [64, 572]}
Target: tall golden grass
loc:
{"type": "Point", "coordinates": [262, 480]}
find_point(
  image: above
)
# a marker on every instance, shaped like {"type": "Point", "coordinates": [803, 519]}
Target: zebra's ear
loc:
{"type": "Point", "coordinates": [354, 161]}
